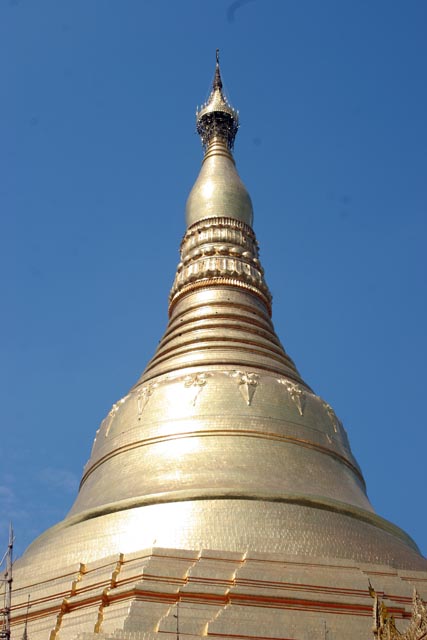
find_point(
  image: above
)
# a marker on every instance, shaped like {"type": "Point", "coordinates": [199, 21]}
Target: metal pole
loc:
{"type": "Point", "coordinates": [5, 633]}
{"type": "Point", "coordinates": [25, 634]}
{"type": "Point", "coordinates": [177, 620]}
{"type": "Point", "coordinates": [9, 563]}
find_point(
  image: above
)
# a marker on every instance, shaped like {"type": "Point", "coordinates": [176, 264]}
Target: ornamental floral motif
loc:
{"type": "Point", "coordinates": [195, 382]}
{"type": "Point", "coordinates": [337, 425]}
{"type": "Point", "coordinates": [248, 383]}
{"type": "Point", "coordinates": [108, 421]}
{"type": "Point", "coordinates": [384, 627]}
{"type": "Point", "coordinates": [332, 416]}
{"type": "Point", "coordinates": [143, 397]}
{"type": "Point", "coordinates": [296, 394]}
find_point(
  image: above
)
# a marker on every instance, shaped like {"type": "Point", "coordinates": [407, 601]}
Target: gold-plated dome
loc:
{"type": "Point", "coordinates": [221, 444]}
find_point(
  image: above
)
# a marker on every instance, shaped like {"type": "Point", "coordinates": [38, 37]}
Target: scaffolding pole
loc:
{"type": "Point", "coordinates": [5, 632]}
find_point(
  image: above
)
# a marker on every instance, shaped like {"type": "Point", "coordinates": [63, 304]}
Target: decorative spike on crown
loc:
{"type": "Point", "coordinates": [217, 83]}
{"type": "Point", "coordinates": [217, 119]}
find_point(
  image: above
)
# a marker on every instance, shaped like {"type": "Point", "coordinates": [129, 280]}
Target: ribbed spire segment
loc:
{"type": "Point", "coordinates": [220, 251]}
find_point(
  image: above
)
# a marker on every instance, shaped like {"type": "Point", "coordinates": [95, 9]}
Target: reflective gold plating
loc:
{"type": "Point", "coordinates": [218, 191]}
{"type": "Point", "coordinates": [224, 252]}
{"type": "Point", "coordinates": [203, 283]}
{"type": "Point", "coordinates": [218, 433]}
{"type": "Point", "coordinates": [221, 444]}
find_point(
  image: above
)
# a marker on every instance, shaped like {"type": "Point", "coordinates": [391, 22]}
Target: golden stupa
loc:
{"type": "Point", "coordinates": [221, 497]}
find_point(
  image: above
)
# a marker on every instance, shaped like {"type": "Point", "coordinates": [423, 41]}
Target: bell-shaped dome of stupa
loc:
{"type": "Point", "coordinates": [221, 444]}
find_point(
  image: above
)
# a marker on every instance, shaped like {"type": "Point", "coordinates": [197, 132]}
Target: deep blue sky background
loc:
{"type": "Point", "coordinates": [97, 156]}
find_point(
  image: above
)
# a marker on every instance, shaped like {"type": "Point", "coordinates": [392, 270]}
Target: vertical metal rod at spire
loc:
{"type": "Point", "coordinates": [217, 83]}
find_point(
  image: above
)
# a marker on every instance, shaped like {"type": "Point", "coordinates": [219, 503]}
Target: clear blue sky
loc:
{"type": "Point", "coordinates": [98, 152]}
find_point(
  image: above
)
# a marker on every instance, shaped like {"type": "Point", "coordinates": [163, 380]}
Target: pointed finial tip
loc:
{"type": "Point", "coordinates": [217, 82]}
{"type": "Point", "coordinates": [216, 117]}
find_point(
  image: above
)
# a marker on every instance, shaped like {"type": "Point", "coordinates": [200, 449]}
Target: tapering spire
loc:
{"type": "Point", "coordinates": [217, 119]}
{"type": "Point", "coordinates": [217, 83]}
{"type": "Point", "coordinates": [218, 191]}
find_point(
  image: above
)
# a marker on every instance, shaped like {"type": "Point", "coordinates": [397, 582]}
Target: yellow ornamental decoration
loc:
{"type": "Point", "coordinates": [384, 627]}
